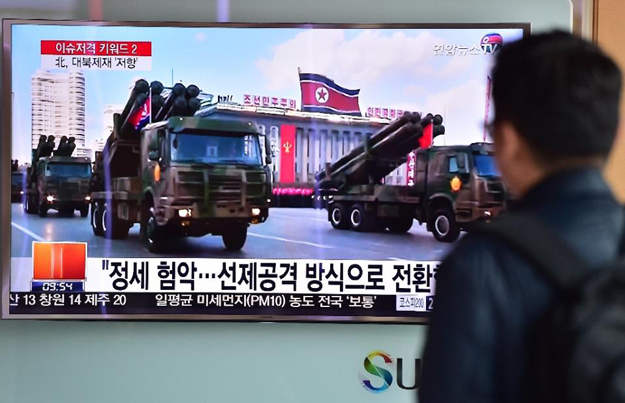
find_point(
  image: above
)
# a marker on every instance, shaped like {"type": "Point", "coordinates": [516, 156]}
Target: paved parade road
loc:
{"type": "Point", "coordinates": [288, 233]}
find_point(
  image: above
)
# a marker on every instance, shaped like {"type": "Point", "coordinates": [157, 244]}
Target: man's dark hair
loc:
{"type": "Point", "coordinates": [561, 93]}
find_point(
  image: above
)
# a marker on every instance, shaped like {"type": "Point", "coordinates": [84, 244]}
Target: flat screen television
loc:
{"type": "Point", "coordinates": [258, 172]}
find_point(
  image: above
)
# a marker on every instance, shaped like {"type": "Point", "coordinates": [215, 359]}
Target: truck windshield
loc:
{"type": "Point", "coordinates": [16, 179]}
{"type": "Point", "coordinates": [68, 170]}
{"type": "Point", "coordinates": [485, 165]}
{"type": "Point", "coordinates": [216, 148]}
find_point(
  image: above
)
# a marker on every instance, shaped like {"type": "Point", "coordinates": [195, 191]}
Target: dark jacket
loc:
{"type": "Point", "coordinates": [489, 299]}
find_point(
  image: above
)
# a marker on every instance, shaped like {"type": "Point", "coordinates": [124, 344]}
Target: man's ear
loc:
{"type": "Point", "coordinates": [517, 151]}
{"type": "Point", "coordinates": [508, 142]}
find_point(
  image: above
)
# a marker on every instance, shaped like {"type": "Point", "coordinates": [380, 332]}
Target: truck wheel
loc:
{"type": "Point", "coordinates": [84, 212]}
{"type": "Point", "coordinates": [113, 227]}
{"type": "Point", "coordinates": [96, 219]}
{"type": "Point", "coordinates": [234, 239]}
{"type": "Point", "coordinates": [339, 216]}
{"type": "Point", "coordinates": [30, 207]}
{"type": "Point", "coordinates": [153, 236]}
{"type": "Point", "coordinates": [361, 220]}
{"type": "Point", "coordinates": [43, 210]}
{"type": "Point", "coordinates": [444, 226]}
{"type": "Point", "coordinates": [400, 225]}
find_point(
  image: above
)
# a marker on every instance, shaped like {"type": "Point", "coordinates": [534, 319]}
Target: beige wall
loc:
{"type": "Point", "coordinates": [610, 33]}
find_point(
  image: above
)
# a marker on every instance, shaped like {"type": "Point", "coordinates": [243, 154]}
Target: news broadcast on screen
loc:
{"type": "Point", "coordinates": [263, 172]}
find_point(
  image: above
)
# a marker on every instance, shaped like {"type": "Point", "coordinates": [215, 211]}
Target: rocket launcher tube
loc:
{"type": "Point", "coordinates": [71, 146]}
{"type": "Point", "coordinates": [385, 151]}
{"type": "Point", "coordinates": [395, 143]}
{"type": "Point", "coordinates": [156, 88]}
{"type": "Point", "coordinates": [374, 139]}
{"type": "Point", "coordinates": [192, 91]}
{"type": "Point", "coordinates": [37, 152]}
{"type": "Point", "coordinates": [355, 169]}
{"type": "Point", "coordinates": [141, 87]}
{"type": "Point", "coordinates": [157, 102]}
{"type": "Point", "coordinates": [390, 128]}
{"type": "Point", "coordinates": [382, 135]}
{"type": "Point", "coordinates": [163, 110]}
{"type": "Point", "coordinates": [193, 106]}
{"type": "Point", "coordinates": [61, 150]}
{"type": "Point", "coordinates": [393, 148]}
{"type": "Point", "coordinates": [179, 107]}
{"type": "Point", "coordinates": [49, 147]}
{"type": "Point", "coordinates": [177, 91]}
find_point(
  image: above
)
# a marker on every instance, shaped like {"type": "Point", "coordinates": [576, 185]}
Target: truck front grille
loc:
{"type": "Point", "coordinates": [224, 188]}
{"type": "Point", "coordinates": [191, 190]}
{"type": "Point", "coordinates": [256, 177]}
{"type": "Point", "coordinates": [191, 176]}
{"type": "Point", "coordinates": [191, 184]}
{"type": "Point", "coordinates": [69, 190]}
{"type": "Point", "coordinates": [255, 190]}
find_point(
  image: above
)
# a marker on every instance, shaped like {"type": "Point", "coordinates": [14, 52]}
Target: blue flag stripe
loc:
{"type": "Point", "coordinates": [327, 109]}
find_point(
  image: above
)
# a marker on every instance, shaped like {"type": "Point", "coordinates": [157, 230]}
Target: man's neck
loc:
{"type": "Point", "coordinates": [538, 174]}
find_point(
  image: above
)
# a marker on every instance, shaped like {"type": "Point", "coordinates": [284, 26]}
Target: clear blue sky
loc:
{"type": "Point", "coordinates": [229, 61]}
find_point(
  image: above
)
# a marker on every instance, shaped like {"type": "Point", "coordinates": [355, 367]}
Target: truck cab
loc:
{"type": "Point", "coordinates": [461, 185]}
{"type": "Point", "coordinates": [196, 176]}
{"type": "Point", "coordinates": [205, 176]}
{"type": "Point", "coordinates": [18, 185]}
{"type": "Point", "coordinates": [58, 183]}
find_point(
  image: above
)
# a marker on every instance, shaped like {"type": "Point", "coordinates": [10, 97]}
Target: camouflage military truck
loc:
{"type": "Point", "coordinates": [18, 182]}
{"type": "Point", "coordinates": [457, 187]}
{"type": "Point", "coordinates": [56, 180]}
{"type": "Point", "coordinates": [183, 176]}
{"type": "Point", "coordinates": [454, 186]}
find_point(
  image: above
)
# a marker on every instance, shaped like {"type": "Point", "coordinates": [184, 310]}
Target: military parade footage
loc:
{"type": "Point", "coordinates": [266, 172]}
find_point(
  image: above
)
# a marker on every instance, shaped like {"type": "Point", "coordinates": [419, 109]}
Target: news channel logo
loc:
{"type": "Point", "coordinates": [380, 367]}
{"type": "Point", "coordinates": [491, 43]}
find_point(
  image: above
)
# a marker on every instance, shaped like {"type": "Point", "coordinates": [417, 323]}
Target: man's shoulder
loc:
{"type": "Point", "coordinates": [488, 273]}
{"type": "Point", "coordinates": [482, 257]}
{"type": "Point", "coordinates": [478, 247]}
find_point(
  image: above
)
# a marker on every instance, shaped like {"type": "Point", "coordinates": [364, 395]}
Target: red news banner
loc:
{"type": "Point", "coordinates": [96, 55]}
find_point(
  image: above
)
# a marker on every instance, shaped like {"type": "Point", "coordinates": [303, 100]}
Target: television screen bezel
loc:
{"type": "Point", "coordinates": [5, 170]}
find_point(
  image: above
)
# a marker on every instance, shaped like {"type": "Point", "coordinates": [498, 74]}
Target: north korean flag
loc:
{"type": "Point", "coordinates": [142, 116]}
{"type": "Point", "coordinates": [426, 140]}
{"type": "Point", "coordinates": [321, 94]}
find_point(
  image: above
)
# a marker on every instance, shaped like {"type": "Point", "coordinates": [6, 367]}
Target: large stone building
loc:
{"type": "Point", "coordinates": [58, 106]}
{"type": "Point", "coordinates": [320, 138]}
{"type": "Point", "coordinates": [109, 111]}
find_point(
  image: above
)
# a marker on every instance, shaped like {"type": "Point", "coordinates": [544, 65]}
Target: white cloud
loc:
{"type": "Point", "coordinates": [415, 90]}
{"type": "Point", "coordinates": [462, 108]}
{"type": "Point", "coordinates": [353, 63]}
{"type": "Point", "coordinates": [457, 65]}
{"type": "Point", "coordinates": [134, 79]}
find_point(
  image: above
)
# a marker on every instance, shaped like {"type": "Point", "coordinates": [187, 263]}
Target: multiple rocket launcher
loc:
{"type": "Point", "coordinates": [380, 154]}
{"type": "Point", "coordinates": [148, 103]}
{"type": "Point", "coordinates": [45, 148]}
